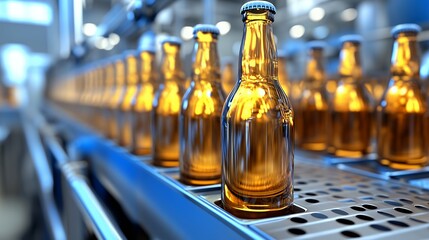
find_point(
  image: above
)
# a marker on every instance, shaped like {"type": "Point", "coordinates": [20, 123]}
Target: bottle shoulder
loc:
{"type": "Point", "coordinates": [352, 97]}
{"type": "Point", "coordinates": [403, 96]}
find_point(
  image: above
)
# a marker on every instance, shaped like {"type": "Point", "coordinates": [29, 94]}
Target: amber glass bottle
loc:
{"type": "Point", "coordinates": [200, 145]}
{"type": "Point", "coordinates": [142, 110]}
{"type": "Point", "coordinates": [126, 115]}
{"type": "Point", "coordinates": [166, 106]}
{"type": "Point", "coordinates": [228, 76]}
{"type": "Point", "coordinates": [108, 91]}
{"type": "Point", "coordinates": [312, 114]}
{"type": "Point", "coordinates": [116, 98]}
{"type": "Point", "coordinates": [283, 77]}
{"type": "Point", "coordinates": [257, 125]}
{"type": "Point", "coordinates": [401, 139]}
{"type": "Point", "coordinates": [351, 106]}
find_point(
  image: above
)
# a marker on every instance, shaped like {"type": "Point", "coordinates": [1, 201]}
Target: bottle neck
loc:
{"type": "Point", "coordinates": [147, 66]}
{"type": "Point", "coordinates": [405, 56]}
{"type": "Point", "coordinates": [131, 74]}
{"type": "Point", "coordinates": [350, 67]}
{"type": "Point", "coordinates": [119, 73]}
{"type": "Point", "coordinates": [206, 59]}
{"type": "Point", "coordinates": [171, 64]}
{"type": "Point", "coordinates": [315, 71]}
{"type": "Point", "coordinates": [258, 48]}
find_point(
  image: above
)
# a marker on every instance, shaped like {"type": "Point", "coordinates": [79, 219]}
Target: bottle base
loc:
{"type": "Point", "coordinates": [165, 162]}
{"type": "Point", "coordinates": [313, 146]}
{"type": "Point", "coordinates": [405, 165]}
{"type": "Point", "coordinates": [199, 182]}
{"type": "Point", "coordinates": [252, 214]}
{"type": "Point", "coordinates": [141, 151]}
{"type": "Point", "coordinates": [346, 153]}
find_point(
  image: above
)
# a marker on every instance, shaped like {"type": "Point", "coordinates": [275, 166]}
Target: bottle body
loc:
{"type": "Point", "coordinates": [283, 77]}
{"type": "Point", "coordinates": [257, 127]}
{"type": "Point", "coordinates": [228, 78]}
{"type": "Point", "coordinates": [402, 143]}
{"type": "Point", "coordinates": [351, 120]}
{"type": "Point", "coordinates": [312, 118]}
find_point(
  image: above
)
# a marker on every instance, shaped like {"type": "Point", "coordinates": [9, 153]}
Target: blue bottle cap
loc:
{"type": "Point", "coordinates": [407, 27]}
{"type": "Point", "coordinates": [258, 5]}
{"type": "Point", "coordinates": [172, 40]}
{"type": "Point", "coordinates": [208, 28]}
{"type": "Point", "coordinates": [316, 45]}
{"type": "Point", "coordinates": [354, 38]}
{"type": "Point", "coordinates": [147, 42]}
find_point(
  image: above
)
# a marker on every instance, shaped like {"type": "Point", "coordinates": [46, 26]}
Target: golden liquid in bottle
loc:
{"type": "Point", "coordinates": [283, 78]}
{"type": "Point", "coordinates": [116, 99]}
{"type": "Point", "coordinates": [402, 143]}
{"type": "Point", "coordinates": [351, 109]}
{"type": "Point", "coordinates": [200, 142]}
{"type": "Point", "coordinates": [166, 109]}
{"type": "Point", "coordinates": [257, 129]}
{"type": "Point", "coordinates": [126, 106]}
{"type": "Point", "coordinates": [312, 114]}
{"type": "Point", "coordinates": [142, 120]}
{"type": "Point", "coordinates": [228, 78]}
{"type": "Point", "coordinates": [108, 92]}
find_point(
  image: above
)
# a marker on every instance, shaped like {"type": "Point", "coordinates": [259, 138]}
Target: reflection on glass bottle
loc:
{"type": "Point", "coordinates": [166, 106]}
{"type": "Point", "coordinates": [125, 119]}
{"type": "Point", "coordinates": [401, 137]}
{"type": "Point", "coordinates": [283, 77]}
{"type": "Point", "coordinates": [312, 107]}
{"type": "Point", "coordinates": [257, 125]}
{"type": "Point", "coordinates": [115, 100]}
{"type": "Point", "coordinates": [228, 76]}
{"type": "Point", "coordinates": [200, 145]}
{"type": "Point", "coordinates": [142, 138]}
{"type": "Point", "coordinates": [351, 105]}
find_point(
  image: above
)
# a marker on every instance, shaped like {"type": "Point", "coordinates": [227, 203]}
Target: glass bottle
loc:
{"type": "Point", "coordinates": [116, 98]}
{"type": "Point", "coordinates": [312, 107]}
{"type": "Point", "coordinates": [401, 137]}
{"type": "Point", "coordinates": [283, 77]}
{"type": "Point", "coordinates": [200, 145]}
{"type": "Point", "coordinates": [142, 138]}
{"type": "Point", "coordinates": [257, 125]}
{"type": "Point", "coordinates": [166, 106]}
{"type": "Point", "coordinates": [228, 76]}
{"type": "Point", "coordinates": [108, 92]}
{"type": "Point", "coordinates": [130, 90]}
{"type": "Point", "coordinates": [351, 106]}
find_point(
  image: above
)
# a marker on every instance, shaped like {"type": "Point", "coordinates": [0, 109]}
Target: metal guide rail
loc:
{"type": "Point", "coordinates": [334, 198]}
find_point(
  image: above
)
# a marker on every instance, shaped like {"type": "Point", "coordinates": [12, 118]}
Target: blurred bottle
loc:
{"type": "Point", "coordinates": [257, 125]}
{"type": "Point", "coordinates": [97, 98]}
{"type": "Point", "coordinates": [116, 98]}
{"type": "Point", "coordinates": [228, 76]}
{"type": "Point", "coordinates": [351, 106]}
{"type": "Point", "coordinates": [200, 145]}
{"type": "Point", "coordinates": [166, 106]}
{"type": "Point", "coordinates": [283, 77]}
{"type": "Point", "coordinates": [108, 92]}
{"type": "Point", "coordinates": [125, 122]}
{"type": "Point", "coordinates": [142, 138]}
{"type": "Point", "coordinates": [312, 107]}
{"type": "Point", "coordinates": [401, 137]}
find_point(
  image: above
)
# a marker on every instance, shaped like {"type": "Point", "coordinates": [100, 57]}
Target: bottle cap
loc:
{"type": "Point", "coordinates": [147, 42]}
{"type": "Point", "coordinates": [407, 27]}
{"type": "Point", "coordinates": [208, 28]}
{"type": "Point", "coordinates": [354, 38]}
{"type": "Point", "coordinates": [258, 5]}
{"type": "Point", "coordinates": [316, 45]}
{"type": "Point", "coordinates": [172, 40]}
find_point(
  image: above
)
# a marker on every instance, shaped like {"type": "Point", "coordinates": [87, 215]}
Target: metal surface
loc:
{"type": "Point", "coordinates": [332, 201]}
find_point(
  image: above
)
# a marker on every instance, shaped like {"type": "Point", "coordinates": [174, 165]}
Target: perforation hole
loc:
{"type": "Point", "coordinates": [322, 192]}
{"type": "Point", "coordinates": [345, 221]}
{"type": "Point", "coordinates": [298, 220]}
{"type": "Point", "coordinates": [301, 183]}
{"type": "Point", "coordinates": [337, 196]}
{"type": "Point", "coordinates": [335, 190]}
{"type": "Point", "coordinates": [365, 192]}
{"type": "Point", "coordinates": [339, 212]}
{"type": "Point", "coordinates": [350, 234]}
{"type": "Point", "coordinates": [417, 220]}
{"type": "Point", "coordinates": [359, 209]}
{"type": "Point", "coordinates": [349, 188]}
{"type": "Point", "coordinates": [319, 215]}
{"type": "Point", "coordinates": [367, 198]}
{"type": "Point", "coordinates": [369, 206]}
{"type": "Point", "coordinates": [380, 227]}
{"type": "Point", "coordinates": [403, 210]}
{"type": "Point", "coordinates": [329, 184]}
{"type": "Point", "coordinates": [404, 200]}
{"type": "Point", "coordinates": [422, 207]}
{"type": "Point", "coordinates": [311, 200]}
{"type": "Point", "coordinates": [363, 186]}
{"type": "Point", "coordinates": [398, 223]}
{"type": "Point", "coordinates": [296, 231]}
{"type": "Point", "coordinates": [393, 203]}
{"type": "Point", "coordinates": [346, 200]}
{"type": "Point", "coordinates": [382, 196]}
{"type": "Point", "coordinates": [386, 214]}
{"type": "Point", "coordinates": [297, 189]}
{"type": "Point", "coordinates": [365, 217]}
{"type": "Point", "coordinates": [422, 198]}
{"type": "Point", "coordinates": [310, 194]}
